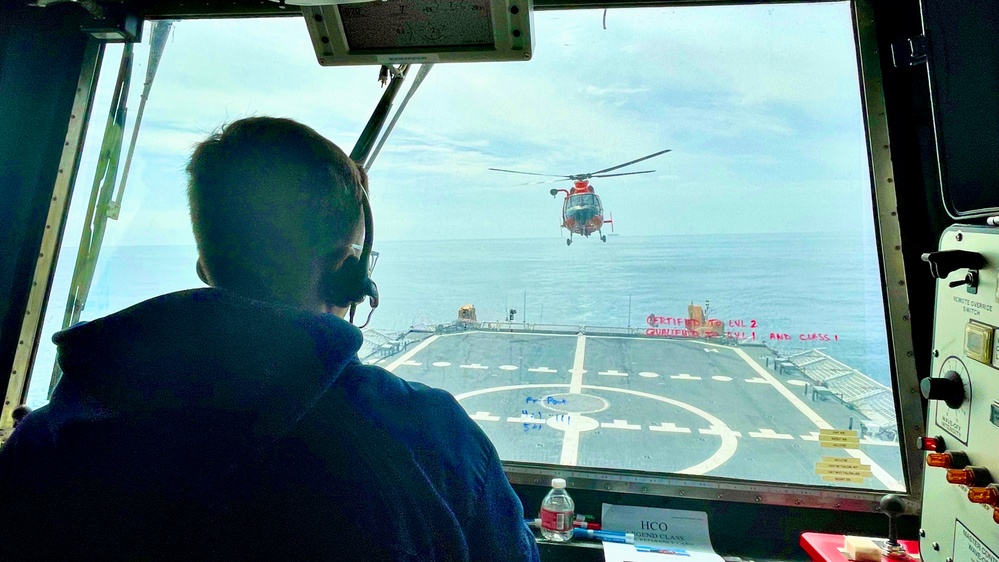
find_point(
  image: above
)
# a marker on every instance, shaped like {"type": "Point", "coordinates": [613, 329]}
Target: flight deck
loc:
{"type": "Point", "coordinates": [649, 404]}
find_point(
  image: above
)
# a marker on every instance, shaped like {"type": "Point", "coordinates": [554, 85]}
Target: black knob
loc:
{"type": "Point", "coordinates": [949, 388]}
{"type": "Point", "coordinates": [944, 263]}
{"type": "Point", "coordinates": [892, 506]}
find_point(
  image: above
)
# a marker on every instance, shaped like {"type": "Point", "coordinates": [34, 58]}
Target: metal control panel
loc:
{"type": "Point", "coordinates": [960, 515]}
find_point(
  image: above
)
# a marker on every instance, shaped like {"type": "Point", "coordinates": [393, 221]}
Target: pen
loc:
{"type": "Point", "coordinates": [661, 550]}
{"type": "Point", "coordinates": [609, 536]}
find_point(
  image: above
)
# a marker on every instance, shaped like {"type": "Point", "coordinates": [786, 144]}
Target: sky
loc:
{"type": "Point", "coordinates": [759, 104]}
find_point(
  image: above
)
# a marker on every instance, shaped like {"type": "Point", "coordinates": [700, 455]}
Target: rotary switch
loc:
{"type": "Point", "coordinates": [949, 388]}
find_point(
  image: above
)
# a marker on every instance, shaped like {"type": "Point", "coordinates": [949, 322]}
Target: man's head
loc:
{"type": "Point", "coordinates": [275, 207]}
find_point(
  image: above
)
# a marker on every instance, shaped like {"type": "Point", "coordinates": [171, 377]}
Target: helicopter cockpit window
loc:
{"type": "Point", "coordinates": [729, 321]}
{"type": "Point", "coordinates": [582, 200]}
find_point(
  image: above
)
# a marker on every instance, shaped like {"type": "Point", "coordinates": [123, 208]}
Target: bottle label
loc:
{"type": "Point", "coordinates": [558, 521]}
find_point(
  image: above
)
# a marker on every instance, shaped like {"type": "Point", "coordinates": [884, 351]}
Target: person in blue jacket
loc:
{"type": "Point", "coordinates": [235, 421]}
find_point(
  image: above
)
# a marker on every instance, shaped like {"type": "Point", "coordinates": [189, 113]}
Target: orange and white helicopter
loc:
{"type": "Point", "coordinates": [582, 212]}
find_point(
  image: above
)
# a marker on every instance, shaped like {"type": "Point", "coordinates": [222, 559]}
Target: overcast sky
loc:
{"type": "Point", "coordinates": [759, 104]}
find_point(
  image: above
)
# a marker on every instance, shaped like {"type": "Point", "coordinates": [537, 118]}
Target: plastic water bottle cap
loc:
{"type": "Point", "coordinates": [558, 483]}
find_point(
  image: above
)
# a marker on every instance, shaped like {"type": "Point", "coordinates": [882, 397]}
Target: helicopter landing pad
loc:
{"type": "Point", "coordinates": [643, 404]}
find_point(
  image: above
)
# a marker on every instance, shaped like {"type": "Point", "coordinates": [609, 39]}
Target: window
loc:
{"type": "Point", "coordinates": [731, 325]}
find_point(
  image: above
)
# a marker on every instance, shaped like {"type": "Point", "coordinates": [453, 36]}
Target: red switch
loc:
{"type": "Point", "coordinates": [931, 444]}
{"type": "Point", "coordinates": [955, 459]}
{"type": "Point", "coordinates": [995, 515]}
{"type": "Point", "coordinates": [971, 476]}
{"type": "Point", "coordinates": [988, 495]}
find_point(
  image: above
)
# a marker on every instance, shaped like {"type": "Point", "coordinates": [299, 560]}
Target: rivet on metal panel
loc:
{"type": "Point", "coordinates": [758, 499]}
{"type": "Point", "coordinates": [936, 353]}
{"type": "Point", "coordinates": [959, 237]}
{"type": "Point", "coordinates": [936, 546]}
{"type": "Point", "coordinates": [922, 532]}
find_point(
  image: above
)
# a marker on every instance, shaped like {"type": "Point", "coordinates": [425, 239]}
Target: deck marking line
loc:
{"type": "Point", "coordinates": [570, 442]}
{"type": "Point", "coordinates": [729, 443]}
{"type": "Point", "coordinates": [648, 374]}
{"type": "Point", "coordinates": [441, 364]}
{"type": "Point", "coordinates": [542, 370]}
{"type": "Point", "coordinates": [758, 380]}
{"type": "Point", "coordinates": [409, 354]}
{"type": "Point", "coordinates": [576, 385]}
{"type": "Point", "coordinates": [770, 434]}
{"type": "Point", "coordinates": [720, 431]}
{"type": "Point", "coordinates": [412, 363]}
{"type": "Point", "coordinates": [669, 428]}
{"type": "Point", "coordinates": [508, 367]}
{"type": "Point", "coordinates": [474, 366]}
{"type": "Point", "coordinates": [685, 377]}
{"type": "Point", "coordinates": [484, 416]}
{"type": "Point", "coordinates": [621, 424]}
{"type": "Point", "coordinates": [613, 373]}
{"type": "Point", "coordinates": [880, 473]}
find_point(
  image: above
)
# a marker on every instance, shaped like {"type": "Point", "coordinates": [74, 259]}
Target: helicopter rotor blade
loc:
{"type": "Point", "coordinates": [540, 182]}
{"type": "Point", "coordinates": [623, 174]}
{"type": "Point", "coordinates": [653, 155]}
{"type": "Point", "coordinates": [530, 174]}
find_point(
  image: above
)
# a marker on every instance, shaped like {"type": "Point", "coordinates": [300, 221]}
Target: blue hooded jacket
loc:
{"type": "Point", "coordinates": [203, 425]}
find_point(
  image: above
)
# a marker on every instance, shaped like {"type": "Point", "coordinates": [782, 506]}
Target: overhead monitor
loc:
{"type": "Point", "coordinates": [421, 31]}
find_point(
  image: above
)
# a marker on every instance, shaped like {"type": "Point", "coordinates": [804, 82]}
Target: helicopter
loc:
{"type": "Point", "coordinates": [582, 212]}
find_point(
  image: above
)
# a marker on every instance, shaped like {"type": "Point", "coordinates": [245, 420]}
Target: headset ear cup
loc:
{"type": "Point", "coordinates": [344, 286]}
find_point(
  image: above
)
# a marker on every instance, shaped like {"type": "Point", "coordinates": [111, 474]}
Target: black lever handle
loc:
{"type": "Point", "coordinates": [946, 262]}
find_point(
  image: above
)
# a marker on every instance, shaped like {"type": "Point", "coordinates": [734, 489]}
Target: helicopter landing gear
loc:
{"type": "Point", "coordinates": [568, 241]}
{"type": "Point", "coordinates": [603, 238]}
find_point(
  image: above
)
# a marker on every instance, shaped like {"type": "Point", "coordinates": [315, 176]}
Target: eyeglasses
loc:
{"type": "Point", "coordinates": [357, 249]}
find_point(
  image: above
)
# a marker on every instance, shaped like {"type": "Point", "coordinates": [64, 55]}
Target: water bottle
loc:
{"type": "Point", "coordinates": [557, 513]}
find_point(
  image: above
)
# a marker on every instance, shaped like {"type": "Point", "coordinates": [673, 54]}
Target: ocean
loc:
{"type": "Point", "coordinates": [793, 291]}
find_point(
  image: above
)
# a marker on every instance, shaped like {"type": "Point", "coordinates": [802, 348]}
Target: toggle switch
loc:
{"type": "Point", "coordinates": [970, 476]}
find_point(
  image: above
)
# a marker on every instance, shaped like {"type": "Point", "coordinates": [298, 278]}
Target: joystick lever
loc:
{"type": "Point", "coordinates": [892, 506]}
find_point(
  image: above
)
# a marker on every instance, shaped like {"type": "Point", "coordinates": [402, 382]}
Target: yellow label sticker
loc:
{"type": "Point", "coordinates": [843, 469]}
{"type": "Point", "coordinates": [839, 439]}
{"type": "Point", "coordinates": [842, 432]}
{"type": "Point", "coordinates": [843, 479]}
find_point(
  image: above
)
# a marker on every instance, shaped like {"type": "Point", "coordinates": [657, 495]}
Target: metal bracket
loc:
{"type": "Point", "coordinates": [910, 52]}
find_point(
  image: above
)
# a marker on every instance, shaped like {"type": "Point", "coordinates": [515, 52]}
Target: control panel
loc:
{"type": "Point", "coordinates": [960, 517]}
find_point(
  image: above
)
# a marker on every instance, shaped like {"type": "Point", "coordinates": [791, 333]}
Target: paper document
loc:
{"type": "Point", "coordinates": [660, 534]}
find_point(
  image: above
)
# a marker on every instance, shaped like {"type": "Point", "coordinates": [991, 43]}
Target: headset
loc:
{"type": "Point", "coordinates": [349, 284]}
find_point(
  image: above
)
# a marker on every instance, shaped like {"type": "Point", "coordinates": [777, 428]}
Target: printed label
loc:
{"type": "Point", "coordinates": [558, 521]}
{"type": "Point", "coordinates": [968, 548]}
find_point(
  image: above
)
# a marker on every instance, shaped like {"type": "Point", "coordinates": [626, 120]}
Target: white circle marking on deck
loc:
{"type": "Point", "coordinates": [508, 367]}
{"type": "Point", "coordinates": [648, 374]}
{"type": "Point", "coordinates": [729, 442]}
{"type": "Point", "coordinates": [441, 364]}
{"type": "Point", "coordinates": [796, 382]}
{"type": "Point", "coordinates": [721, 378]}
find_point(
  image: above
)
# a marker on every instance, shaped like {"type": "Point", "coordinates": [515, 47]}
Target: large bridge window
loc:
{"type": "Point", "coordinates": [732, 324]}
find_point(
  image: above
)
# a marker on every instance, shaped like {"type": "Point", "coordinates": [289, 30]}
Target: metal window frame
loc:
{"type": "Point", "coordinates": [62, 189]}
{"type": "Point", "coordinates": [908, 403]}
